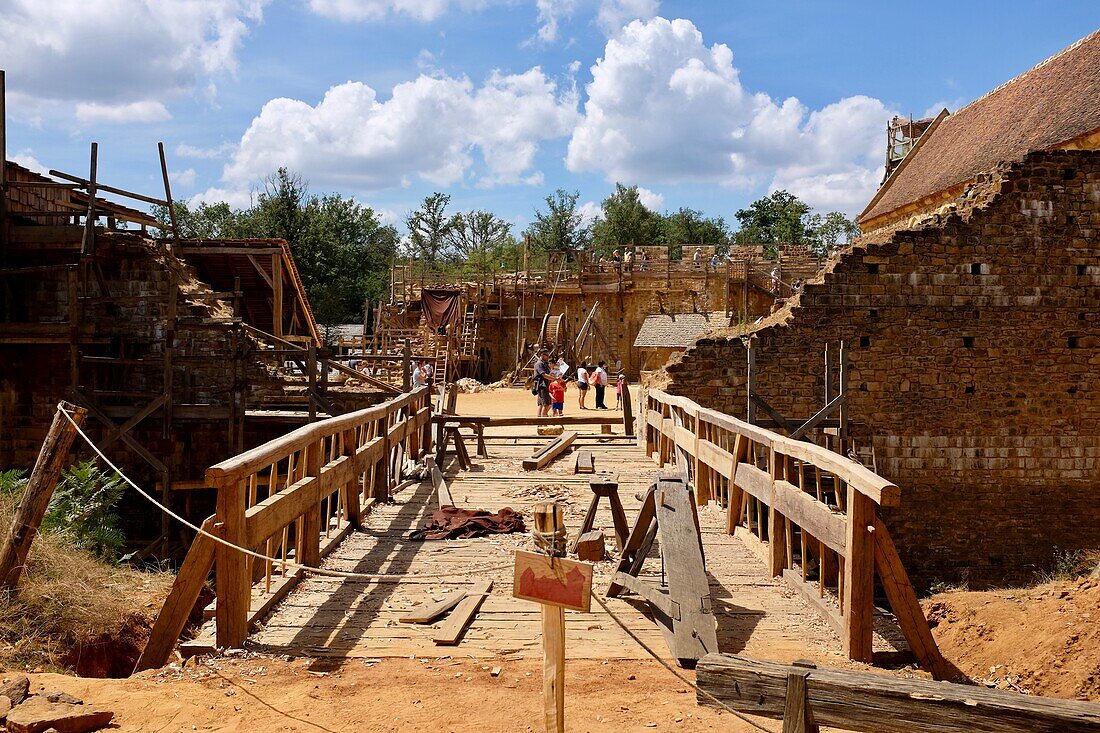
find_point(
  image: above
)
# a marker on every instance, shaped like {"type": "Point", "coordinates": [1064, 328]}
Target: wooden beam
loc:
{"type": "Point", "coordinates": [878, 703]}
{"type": "Point", "coordinates": [89, 184]}
{"type": "Point", "coordinates": [87, 244]}
{"type": "Point", "coordinates": [429, 613]}
{"type": "Point", "coordinates": [819, 416]}
{"type": "Point", "coordinates": [859, 577]}
{"type": "Point", "coordinates": [167, 193]}
{"type": "Point", "coordinates": [277, 294]}
{"type": "Point", "coordinates": [180, 601]}
{"type": "Point", "coordinates": [52, 458]}
{"type": "Point", "coordinates": [547, 453]}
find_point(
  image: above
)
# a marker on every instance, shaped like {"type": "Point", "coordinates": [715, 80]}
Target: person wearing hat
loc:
{"type": "Point", "coordinates": [542, 382]}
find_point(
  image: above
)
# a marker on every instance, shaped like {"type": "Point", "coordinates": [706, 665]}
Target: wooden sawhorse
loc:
{"type": "Point", "coordinates": [605, 486]}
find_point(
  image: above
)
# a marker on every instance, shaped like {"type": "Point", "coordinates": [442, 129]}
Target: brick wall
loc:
{"type": "Point", "coordinates": [975, 370]}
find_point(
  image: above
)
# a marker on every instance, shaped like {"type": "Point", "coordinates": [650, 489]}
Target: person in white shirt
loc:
{"type": "Point", "coordinates": [419, 378]}
{"type": "Point", "coordinates": [582, 384]}
{"type": "Point", "coordinates": [600, 380]}
{"type": "Point", "coordinates": [429, 373]}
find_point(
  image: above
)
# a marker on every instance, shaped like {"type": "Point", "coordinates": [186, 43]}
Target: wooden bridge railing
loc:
{"type": "Point", "coordinates": [810, 507]}
{"type": "Point", "coordinates": [281, 499]}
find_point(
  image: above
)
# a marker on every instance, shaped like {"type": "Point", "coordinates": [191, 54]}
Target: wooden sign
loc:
{"type": "Point", "coordinates": [553, 581]}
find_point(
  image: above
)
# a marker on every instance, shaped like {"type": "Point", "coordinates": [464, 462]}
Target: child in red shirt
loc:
{"type": "Point", "coordinates": [557, 396]}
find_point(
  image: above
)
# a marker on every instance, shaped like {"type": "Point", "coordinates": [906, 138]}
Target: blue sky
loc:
{"type": "Point", "coordinates": [498, 102]}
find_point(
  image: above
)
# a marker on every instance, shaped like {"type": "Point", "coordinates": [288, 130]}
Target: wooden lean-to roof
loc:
{"type": "Point", "coordinates": [677, 330]}
{"type": "Point", "coordinates": [220, 262]}
{"type": "Point", "coordinates": [1054, 105]}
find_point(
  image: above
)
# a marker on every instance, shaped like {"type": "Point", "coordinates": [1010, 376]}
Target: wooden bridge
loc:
{"type": "Point", "coordinates": [328, 495]}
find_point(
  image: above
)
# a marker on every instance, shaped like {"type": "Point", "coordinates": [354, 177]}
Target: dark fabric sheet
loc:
{"type": "Point", "coordinates": [452, 523]}
{"type": "Point", "coordinates": [441, 307]}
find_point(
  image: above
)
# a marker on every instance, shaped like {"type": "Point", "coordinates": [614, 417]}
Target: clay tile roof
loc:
{"type": "Point", "coordinates": [677, 330]}
{"type": "Point", "coordinates": [1039, 109]}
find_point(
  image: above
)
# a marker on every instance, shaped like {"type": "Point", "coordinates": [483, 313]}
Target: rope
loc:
{"type": "Point", "coordinates": [677, 673]}
{"type": "Point", "coordinates": [257, 555]}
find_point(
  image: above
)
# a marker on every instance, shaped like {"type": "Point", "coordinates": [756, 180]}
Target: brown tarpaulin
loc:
{"type": "Point", "coordinates": [441, 307]}
{"type": "Point", "coordinates": [452, 523]}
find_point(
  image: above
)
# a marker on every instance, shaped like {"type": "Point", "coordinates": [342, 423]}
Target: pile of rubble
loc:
{"type": "Point", "coordinates": [469, 385]}
{"type": "Point", "coordinates": [59, 712]}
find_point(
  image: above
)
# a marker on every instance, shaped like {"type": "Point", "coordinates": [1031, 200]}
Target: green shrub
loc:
{"type": "Point", "coordinates": [12, 483]}
{"type": "Point", "coordinates": [82, 510]}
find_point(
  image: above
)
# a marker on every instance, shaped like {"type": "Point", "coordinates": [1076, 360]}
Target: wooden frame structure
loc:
{"type": "Point", "coordinates": [806, 505]}
{"type": "Point", "coordinates": [283, 499]}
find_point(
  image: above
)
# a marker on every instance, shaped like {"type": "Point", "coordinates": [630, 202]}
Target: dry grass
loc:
{"type": "Point", "coordinates": [74, 612]}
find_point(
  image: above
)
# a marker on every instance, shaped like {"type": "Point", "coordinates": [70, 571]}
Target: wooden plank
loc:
{"type": "Point", "coordinates": [553, 667]}
{"type": "Point", "coordinates": [428, 614]}
{"type": "Point", "coordinates": [877, 703]}
{"type": "Point", "coordinates": [547, 453]}
{"type": "Point", "coordinates": [810, 514]}
{"type": "Point", "coordinates": [180, 601]}
{"type": "Point", "coordinates": [450, 633]}
{"type": "Point", "coordinates": [796, 711]}
{"type": "Point", "coordinates": [442, 491]}
{"type": "Point", "coordinates": [585, 462]}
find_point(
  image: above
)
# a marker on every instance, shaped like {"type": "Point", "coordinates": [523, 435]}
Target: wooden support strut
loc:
{"type": "Point", "coordinates": [52, 458]}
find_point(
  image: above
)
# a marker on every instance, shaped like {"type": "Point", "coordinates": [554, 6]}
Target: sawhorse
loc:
{"type": "Point", "coordinates": [605, 486]}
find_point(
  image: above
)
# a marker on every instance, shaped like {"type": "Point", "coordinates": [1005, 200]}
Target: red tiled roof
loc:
{"type": "Point", "coordinates": [1048, 105]}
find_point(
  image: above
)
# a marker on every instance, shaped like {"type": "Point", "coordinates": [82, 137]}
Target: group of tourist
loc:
{"type": "Point", "coordinates": [550, 385]}
{"type": "Point", "coordinates": [423, 373]}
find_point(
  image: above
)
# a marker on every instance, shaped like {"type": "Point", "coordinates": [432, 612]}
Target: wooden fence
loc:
{"type": "Point", "coordinates": [806, 698]}
{"type": "Point", "coordinates": [282, 499]}
{"type": "Point", "coordinates": [815, 511]}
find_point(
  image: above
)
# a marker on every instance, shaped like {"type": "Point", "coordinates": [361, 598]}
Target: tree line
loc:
{"type": "Point", "coordinates": [343, 249]}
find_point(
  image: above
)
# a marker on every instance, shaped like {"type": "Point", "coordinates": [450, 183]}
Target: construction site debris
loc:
{"type": "Point", "coordinates": [38, 714]}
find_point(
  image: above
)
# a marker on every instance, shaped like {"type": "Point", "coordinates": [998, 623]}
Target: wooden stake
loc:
{"type": "Point", "coordinates": [553, 666]}
{"type": "Point", "coordinates": [40, 486]}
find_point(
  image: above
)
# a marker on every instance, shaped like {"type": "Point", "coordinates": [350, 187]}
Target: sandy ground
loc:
{"type": "Point", "coordinates": [516, 401]}
{"type": "Point", "coordinates": [264, 694]}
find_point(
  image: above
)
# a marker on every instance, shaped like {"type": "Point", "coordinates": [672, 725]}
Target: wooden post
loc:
{"type": "Point", "coordinates": [28, 517]}
{"type": "Point", "coordinates": [277, 295]}
{"type": "Point", "coordinates": [351, 489]}
{"type": "Point", "coordinates": [551, 535]}
{"type": "Point", "coordinates": [406, 366]}
{"type": "Point", "coordinates": [234, 582]}
{"type": "Point", "coordinates": [311, 521]}
{"type": "Point", "coordinates": [87, 244]}
{"type": "Point", "coordinates": [168, 194]}
{"type": "Point", "coordinates": [311, 377]}
{"type": "Point", "coordinates": [750, 381]}
{"type": "Point", "coordinates": [628, 411]}
{"type": "Point", "coordinates": [859, 577]}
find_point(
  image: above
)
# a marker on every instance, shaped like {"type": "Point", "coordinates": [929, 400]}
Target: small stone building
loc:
{"type": "Point", "coordinates": [664, 335]}
{"type": "Point", "coordinates": [970, 310]}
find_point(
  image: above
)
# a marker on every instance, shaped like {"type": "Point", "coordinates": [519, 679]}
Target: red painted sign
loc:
{"type": "Point", "coordinates": [553, 580]}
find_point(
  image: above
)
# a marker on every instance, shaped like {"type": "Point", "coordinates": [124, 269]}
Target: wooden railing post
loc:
{"type": "Point", "coordinates": [380, 489]}
{"type": "Point", "coordinates": [234, 584]}
{"type": "Point", "coordinates": [351, 488]}
{"type": "Point", "coordinates": [859, 577]}
{"type": "Point", "coordinates": [777, 523]}
{"type": "Point", "coordinates": [309, 553]}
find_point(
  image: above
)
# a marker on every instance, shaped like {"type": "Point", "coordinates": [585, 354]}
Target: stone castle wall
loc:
{"type": "Point", "coordinates": [975, 370]}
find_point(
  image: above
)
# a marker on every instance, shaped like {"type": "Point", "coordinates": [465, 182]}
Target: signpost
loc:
{"type": "Point", "coordinates": [556, 584]}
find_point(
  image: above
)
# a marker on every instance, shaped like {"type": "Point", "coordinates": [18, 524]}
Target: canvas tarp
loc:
{"type": "Point", "coordinates": [440, 307]}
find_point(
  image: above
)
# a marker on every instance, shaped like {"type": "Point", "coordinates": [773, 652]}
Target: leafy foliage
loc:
{"type": "Point", "coordinates": [688, 226]}
{"type": "Point", "coordinates": [342, 248]}
{"type": "Point", "coordinates": [625, 221]}
{"type": "Point", "coordinates": [429, 228]}
{"type": "Point", "coordinates": [783, 218]}
{"type": "Point", "coordinates": [82, 509]}
{"type": "Point", "coordinates": [12, 483]}
{"type": "Point", "coordinates": [560, 227]}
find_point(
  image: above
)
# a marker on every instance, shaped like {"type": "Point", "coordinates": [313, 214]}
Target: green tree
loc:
{"type": "Point", "coordinates": [341, 248]}
{"type": "Point", "coordinates": [429, 228]}
{"type": "Point", "coordinates": [560, 227]}
{"type": "Point", "coordinates": [83, 509]}
{"type": "Point", "coordinates": [779, 218]}
{"type": "Point", "coordinates": [480, 240]}
{"type": "Point", "coordinates": [625, 221]}
{"type": "Point", "coordinates": [826, 232]}
{"type": "Point", "coordinates": [688, 226]}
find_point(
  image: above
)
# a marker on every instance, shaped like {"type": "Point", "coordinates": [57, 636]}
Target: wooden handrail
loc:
{"type": "Point", "coordinates": [806, 505]}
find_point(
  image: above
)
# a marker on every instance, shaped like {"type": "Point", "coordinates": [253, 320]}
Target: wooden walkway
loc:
{"type": "Point", "coordinates": [325, 617]}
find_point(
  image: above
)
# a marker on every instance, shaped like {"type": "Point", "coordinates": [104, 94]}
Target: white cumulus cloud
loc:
{"type": "Point", "coordinates": [665, 107]}
{"type": "Point", "coordinates": [146, 110]}
{"type": "Point", "coordinates": [612, 15]}
{"type": "Point", "coordinates": [360, 10]}
{"type": "Point", "coordinates": [118, 52]}
{"type": "Point", "coordinates": [551, 12]}
{"type": "Point", "coordinates": [430, 128]}
{"type": "Point", "coordinates": [651, 199]}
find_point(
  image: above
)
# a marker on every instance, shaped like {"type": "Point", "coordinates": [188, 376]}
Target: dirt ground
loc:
{"type": "Point", "coordinates": [1044, 640]}
{"type": "Point", "coordinates": [515, 402]}
{"type": "Point", "coordinates": [258, 693]}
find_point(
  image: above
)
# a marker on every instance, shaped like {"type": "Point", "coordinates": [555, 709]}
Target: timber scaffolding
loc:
{"type": "Point", "coordinates": [506, 314]}
{"type": "Point", "coordinates": [181, 350]}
